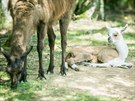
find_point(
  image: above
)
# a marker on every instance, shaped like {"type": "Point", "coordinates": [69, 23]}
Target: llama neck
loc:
{"type": "Point", "coordinates": [122, 49]}
{"type": "Point", "coordinates": [18, 45]}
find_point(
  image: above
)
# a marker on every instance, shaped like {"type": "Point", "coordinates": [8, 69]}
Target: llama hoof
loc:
{"type": "Point", "coordinates": [130, 66]}
{"type": "Point", "coordinates": [23, 80]}
{"type": "Point", "coordinates": [41, 75]}
{"type": "Point", "coordinates": [63, 72]}
{"type": "Point", "coordinates": [124, 66]}
{"type": "Point", "coordinates": [127, 66]}
{"type": "Point", "coordinates": [50, 69]}
{"type": "Point", "coordinates": [74, 67]}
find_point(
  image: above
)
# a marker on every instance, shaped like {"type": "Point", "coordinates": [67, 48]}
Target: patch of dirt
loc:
{"type": "Point", "coordinates": [109, 82]}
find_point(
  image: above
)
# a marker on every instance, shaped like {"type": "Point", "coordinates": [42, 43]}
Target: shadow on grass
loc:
{"type": "Point", "coordinates": [24, 92]}
{"type": "Point", "coordinates": [21, 93]}
{"type": "Point", "coordinates": [88, 97]}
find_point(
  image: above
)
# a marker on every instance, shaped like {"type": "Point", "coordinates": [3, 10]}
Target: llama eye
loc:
{"type": "Point", "coordinates": [115, 35]}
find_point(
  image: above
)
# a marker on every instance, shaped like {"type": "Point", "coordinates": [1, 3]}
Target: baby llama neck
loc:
{"type": "Point", "coordinates": [122, 49]}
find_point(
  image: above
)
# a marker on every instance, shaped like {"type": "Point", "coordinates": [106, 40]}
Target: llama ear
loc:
{"type": "Point", "coordinates": [26, 53]}
{"type": "Point", "coordinates": [6, 55]}
{"type": "Point", "coordinates": [124, 28]}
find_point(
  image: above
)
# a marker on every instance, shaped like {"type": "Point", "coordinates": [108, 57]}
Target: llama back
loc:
{"type": "Point", "coordinates": [48, 10]}
{"type": "Point", "coordinates": [107, 54]}
{"type": "Point", "coordinates": [93, 54]}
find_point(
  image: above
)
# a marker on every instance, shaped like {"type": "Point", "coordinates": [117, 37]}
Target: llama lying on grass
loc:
{"type": "Point", "coordinates": [107, 56]}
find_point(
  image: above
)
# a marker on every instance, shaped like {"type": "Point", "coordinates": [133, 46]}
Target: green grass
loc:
{"type": "Point", "coordinates": [34, 88]}
{"type": "Point", "coordinates": [25, 91]}
{"type": "Point", "coordinates": [88, 97]}
{"type": "Point", "coordinates": [2, 18]}
{"type": "Point", "coordinates": [129, 36]}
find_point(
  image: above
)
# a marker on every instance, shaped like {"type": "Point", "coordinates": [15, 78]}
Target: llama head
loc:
{"type": "Point", "coordinates": [115, 34]}
{"type": "Point", "coordinates": [14, 66]}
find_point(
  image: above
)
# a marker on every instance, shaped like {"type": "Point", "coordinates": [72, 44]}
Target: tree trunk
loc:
{"type": "Point", "coordinates": [5, 10]}
{"type": "Point", "coordinates": [91, 11]}
{"type": "Point", "coordinates": [102, 13]}
{"type": "Point", "coordinates": [82, 6]}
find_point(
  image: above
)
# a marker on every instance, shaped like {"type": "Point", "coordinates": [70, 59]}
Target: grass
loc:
{"type": "Point", "coordinates": [35, 89]}
{"type": "Point", "coordinates": [87, 97]}
{"type": "Point", "coordinates": [30, 91]}
{"type": "Point", "coordinates": [129, 36]}
{"type": "Point", "coordinates": [2, 18]}
{"type": "Point", "coordinates": [25, 91]}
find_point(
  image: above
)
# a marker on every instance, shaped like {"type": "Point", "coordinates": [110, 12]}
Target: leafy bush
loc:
{"type": "Point", "coordinates": [2, 18]}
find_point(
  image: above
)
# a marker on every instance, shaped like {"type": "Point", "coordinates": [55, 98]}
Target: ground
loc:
{"type": "Point", "coordinates": [88, 84]}
{"type": "Point", "coordinates": [111, 82]}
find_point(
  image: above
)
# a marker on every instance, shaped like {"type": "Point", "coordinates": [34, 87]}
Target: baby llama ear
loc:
{"type": "Point", "coordinates": [124, 28]}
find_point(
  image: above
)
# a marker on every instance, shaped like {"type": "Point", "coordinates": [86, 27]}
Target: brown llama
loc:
{"type": "Point", "coordinates": [30, 16]}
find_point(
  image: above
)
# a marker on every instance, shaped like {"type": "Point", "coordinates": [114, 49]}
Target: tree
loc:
{"type": "Point", "coordinates": [98, 8]}
{"type": "Point", "coordinates": [82, 6]}
{"type": "Point", "coordinates": [93, 7]}
{"type": "Point", "coordinates": [4, 6]}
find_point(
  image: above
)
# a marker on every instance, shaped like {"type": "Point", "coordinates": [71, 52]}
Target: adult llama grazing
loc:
{"type": "Point", "coordinates": [30, 16]}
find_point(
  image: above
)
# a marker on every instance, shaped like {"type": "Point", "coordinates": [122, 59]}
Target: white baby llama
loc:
{"type": "Point", "coordinates": [109, 56]}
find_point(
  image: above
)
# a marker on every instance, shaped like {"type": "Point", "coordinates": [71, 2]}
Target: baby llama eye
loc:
{"type": "Point", "coordinates": [115, 35]}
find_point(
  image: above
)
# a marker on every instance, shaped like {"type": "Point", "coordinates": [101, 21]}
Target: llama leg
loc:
{"type": "Point", "coordinates": [40, 45]}
{"type": "Point", "coordinates": [64, 22]}
{"type": "Point", "coordinates": [24, 71]}
{"type": "Point", "coordinates": [126, 65]}
{"type": "Point", "coordinates": [72, 63]}
{"type": "Point", "coordinates": [51, 39]}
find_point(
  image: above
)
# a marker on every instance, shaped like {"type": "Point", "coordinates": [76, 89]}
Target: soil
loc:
{"type": "Point", "coordinates": [109, 82]}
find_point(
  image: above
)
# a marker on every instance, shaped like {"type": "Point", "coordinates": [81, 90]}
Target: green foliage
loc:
{"type": "Point", "coordinates": [2, 18]}
{"type": "Point", "coordinates": [103, 8]}
{"type": "Point", "coordinates": [4, 75]}
{"type": "Point", "coordinates": [82, 6]}
{"type": "Point", "coordinates": [116, 5]}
